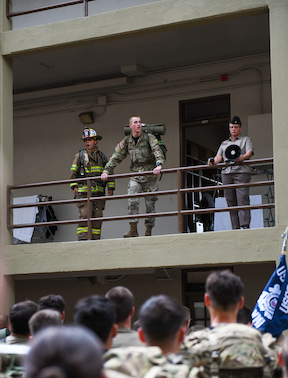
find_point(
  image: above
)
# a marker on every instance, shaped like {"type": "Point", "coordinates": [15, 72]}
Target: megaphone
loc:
{"type": "Point", "coordinates": [154, 128]}
{"type": "Point", "coordinates": [232, 152]}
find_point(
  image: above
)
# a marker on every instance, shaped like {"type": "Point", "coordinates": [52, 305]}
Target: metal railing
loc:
{"type": "Point", "coordinates": [45, 8]}
{"type": "Point", "coordinates": [180, 212]}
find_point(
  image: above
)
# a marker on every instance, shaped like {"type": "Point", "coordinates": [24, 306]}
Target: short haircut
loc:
{"type": "Point", "coordinates": [244, 315]}
{"type": "Point", "coordinates": [43, 319]}
{"type": "Point", "coordinates": [64, 352]}
{"type": "Point", "coordinates": [224, 289]}
{"type": "Point", "coordinates": [187, 314]}
{"type": "Point", "coordinates": [96, 313]}
{"type": "Point", "coordinates": [20, 313]}
{"type": "Point", "coordinates": [161, 317]}
{"type": "Point", "coordinates": [130, 119]}
{"type": "Point", "coordinates": [122, 300]}
{"type": "Point", "coordinates": [52, 301]}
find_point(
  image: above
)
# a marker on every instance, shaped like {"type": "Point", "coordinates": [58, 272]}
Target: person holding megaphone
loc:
{"type": "Point", "coordinates": [236, 148]}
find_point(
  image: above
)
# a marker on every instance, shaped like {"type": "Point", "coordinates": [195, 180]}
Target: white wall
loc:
{"type": "Point", "coordinates": [47, 132]}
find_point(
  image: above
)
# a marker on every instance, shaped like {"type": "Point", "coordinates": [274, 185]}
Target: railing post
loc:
{"type": "Point", "coordinates": [85, 8]}
{"type": "Point", "coordinates": [7, 7]}
{"type": "Point", "coordinates": [89, 210]}
{"type": "Point", "coordinates": [179, 202]}
{"type": "Point", "coordinates": [8, 210]}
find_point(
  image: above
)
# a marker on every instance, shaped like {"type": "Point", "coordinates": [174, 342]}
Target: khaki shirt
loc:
{"type": "Point", "coordinates": [126, 337]}
{"type": "Point", "coordinates": [245, 143]}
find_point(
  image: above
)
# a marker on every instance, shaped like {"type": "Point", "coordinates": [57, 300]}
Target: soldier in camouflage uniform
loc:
{"type": "Point", "coordinates": [162, 330]}
{"type": "Point", "coordinates": [93, 162]}
{"type": "Point", "coordinates": [146, 155]}
{"type": "Point", "coordinates": [226, 348]}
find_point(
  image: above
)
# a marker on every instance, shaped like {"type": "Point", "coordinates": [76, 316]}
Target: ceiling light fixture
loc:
{"type": "Point", "coordinates": [86, 118]}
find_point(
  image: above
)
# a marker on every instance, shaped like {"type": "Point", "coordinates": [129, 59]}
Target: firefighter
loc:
{"type": "Point", "coordinates": [90, 162]}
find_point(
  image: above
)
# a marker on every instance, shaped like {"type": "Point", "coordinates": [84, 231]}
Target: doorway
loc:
{"type": "Point", "coordinates": [203, 126]}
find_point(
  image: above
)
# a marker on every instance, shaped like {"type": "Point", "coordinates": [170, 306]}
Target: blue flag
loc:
{"type": "Point", "coordinates": [271, 311]}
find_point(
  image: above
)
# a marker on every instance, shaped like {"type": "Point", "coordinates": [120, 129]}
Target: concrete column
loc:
{"type": "Point", "coordinates": [6, 159]}
{"type": "Point", "coordinates": [6, 140]}
{"type": "Point", "coordinates": [278, 13]}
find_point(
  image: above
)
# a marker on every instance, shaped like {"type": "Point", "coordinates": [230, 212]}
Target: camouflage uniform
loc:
{"type": "Point", "coordinates": [228, 351]}
{"type": "Point", "coordinates": [231, 350]}
{"type": "Point", "coordinates": [145, 156]}
{"type": "Point", "coordinates": [141, 362]}
{"type": "Point", "coordinates": [93, 166]}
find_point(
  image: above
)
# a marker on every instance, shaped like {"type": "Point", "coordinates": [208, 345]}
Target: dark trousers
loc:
{"type": "Point", "coordinates": [237, 197]}
{"type": "Point", "coordinates": [97, 212]}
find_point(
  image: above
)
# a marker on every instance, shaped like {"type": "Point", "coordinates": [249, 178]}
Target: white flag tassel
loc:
{"type": "Point", "coordinates": [284, 245]}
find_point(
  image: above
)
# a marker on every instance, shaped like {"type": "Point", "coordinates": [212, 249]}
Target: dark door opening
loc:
{"type": "Point", "coordinates": [193, 290]}
{"type": "Point", "coordinates": [203, 126]}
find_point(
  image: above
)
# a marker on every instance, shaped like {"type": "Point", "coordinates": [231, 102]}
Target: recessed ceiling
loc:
{"type": "Point", "coordinates": [158, 51]}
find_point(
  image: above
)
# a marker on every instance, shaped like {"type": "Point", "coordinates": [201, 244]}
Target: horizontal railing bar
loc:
{"type": "Point", "coordinates": [86, 220]}
{"type": "Point", "coordinates": [50, 183]}
{"type": "Point", "coordinates": [232, 208]}
{"type": "Point", "coordinates": [125, 196]}
{"type": "Point", "coordinates": [169, 213]}
{"type": "Point", "coordinates": [48, 224]}
{"type": "Point", "coordinates": [187, 212]}
{"type": "Point", "coordinates": [40, 9]}
{"type": "Point", "coordinates": [163, 192]}
{"type": "Point", "coordinates": [221, 187]}
{"type": "Point", "coordinates": [123, 175]}
{"type": "Point", "coordinates": [49, 203]}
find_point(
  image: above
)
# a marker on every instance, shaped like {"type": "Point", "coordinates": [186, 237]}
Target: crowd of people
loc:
{"type": "Point", "coordinates": [101, 342]}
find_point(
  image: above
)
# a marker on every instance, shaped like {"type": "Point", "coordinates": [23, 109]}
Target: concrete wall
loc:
{"type": "Point", "coordinates": [72, 289]}
{"type": "Point", "coordinates": [171, 250]}
{"type": "Point", "coordinates": [142, 285]}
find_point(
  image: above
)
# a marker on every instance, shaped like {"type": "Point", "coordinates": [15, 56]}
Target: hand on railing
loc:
{"type": "Point", "coordinates": [104, 177]}
{"type": "Point", "coordinates": [157, 170]}
{"type": "Point", "coordinates": [215, 160]}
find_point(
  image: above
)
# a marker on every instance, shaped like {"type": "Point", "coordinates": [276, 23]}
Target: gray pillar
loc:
{"type": "Point", "coordinates": [278, 13]}
{"type": "Point", "coordinates": [6, 159]}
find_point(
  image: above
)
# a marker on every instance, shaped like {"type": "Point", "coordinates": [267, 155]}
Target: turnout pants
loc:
{"type": "Point", "coordinates": [237, 197]}
{"type": "Point", "coordinates": [135, 186]}
{"type": "Point", "coordinates": [97, 211]}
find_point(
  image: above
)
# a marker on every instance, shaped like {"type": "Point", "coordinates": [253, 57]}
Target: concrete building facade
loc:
{"type": "Point", "coordinates": [150, 59]}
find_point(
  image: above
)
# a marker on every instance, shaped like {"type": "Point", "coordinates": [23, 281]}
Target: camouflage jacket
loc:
{"type": "Point", "coordinates": [228, 351]}
{"type": "Point", "coordinates": [93, 166]}
{"type": "Point", "coordinates": [142, 362]}
{"type": "Point", "coordinates": [231, 348]}
{"type": "Point", "coordinates": [12, 358]}
{"type": "Point", "coordinates": [145, 155]}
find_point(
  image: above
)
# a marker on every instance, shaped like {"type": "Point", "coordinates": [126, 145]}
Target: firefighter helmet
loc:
{"type": "Point", "coordinates": [90, 133]}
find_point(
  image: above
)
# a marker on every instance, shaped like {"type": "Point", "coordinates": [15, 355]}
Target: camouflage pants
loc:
{"type": "Point", "coordinates": [97, 211]}
{"type": "Point", "coordinates": [135, 186]}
